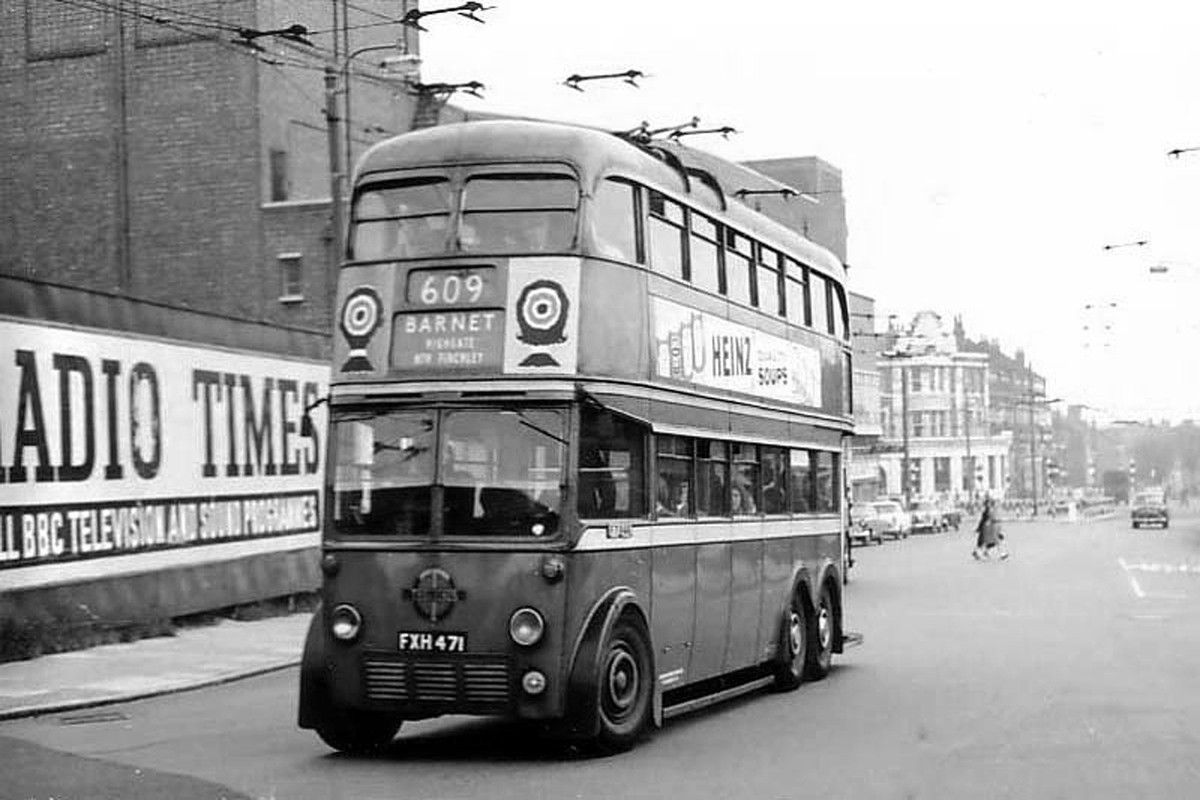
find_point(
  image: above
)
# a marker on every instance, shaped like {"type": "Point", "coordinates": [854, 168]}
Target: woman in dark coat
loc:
{"type": "Point", "coordinates": [988, 534]}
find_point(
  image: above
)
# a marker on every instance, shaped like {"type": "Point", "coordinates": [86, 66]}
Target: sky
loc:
{"type": "Point", "coordinates": [989, 151]}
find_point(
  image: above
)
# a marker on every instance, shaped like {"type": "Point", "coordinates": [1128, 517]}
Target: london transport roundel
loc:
{"type": "Point", "coordinates": [542, 313]}
{"type": "Point", "coordinates": [361, 316]}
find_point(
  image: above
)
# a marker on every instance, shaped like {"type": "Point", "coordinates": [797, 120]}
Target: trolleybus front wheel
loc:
{"type": "Point", "coordinates": [358, 734]}
{"type": "Point", "coordinates": [624, 686]}
{"type": "Point", "coordinates": [818, 659]}
{"type": "Point", "coordinates": [793, 645]}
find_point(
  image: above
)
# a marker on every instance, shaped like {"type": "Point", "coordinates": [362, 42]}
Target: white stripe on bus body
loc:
{"type": "Point", "coordinates": [692, 532]}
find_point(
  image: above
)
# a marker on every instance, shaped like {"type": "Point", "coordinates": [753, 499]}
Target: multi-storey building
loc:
{"type": "Point", "coordinates": [935, 410]}
{"type": "Point", "coordinates": [1019, 406]}
{"type": "Point", "coordinates": [863, 471]}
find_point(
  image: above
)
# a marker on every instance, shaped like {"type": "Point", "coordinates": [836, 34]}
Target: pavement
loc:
{"type": "Point", "coordinates": [115, 673]}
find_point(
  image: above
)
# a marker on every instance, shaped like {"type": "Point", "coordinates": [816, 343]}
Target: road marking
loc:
{"type": "Point", "coordinates": [1137, 589]}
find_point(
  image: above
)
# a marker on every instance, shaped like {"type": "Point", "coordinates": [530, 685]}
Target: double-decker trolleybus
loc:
{"type": "Point", "coordinates": [587, 424]}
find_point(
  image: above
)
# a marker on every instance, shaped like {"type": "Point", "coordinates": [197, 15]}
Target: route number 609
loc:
{"type": "Point", "coordinates": [451, 288]}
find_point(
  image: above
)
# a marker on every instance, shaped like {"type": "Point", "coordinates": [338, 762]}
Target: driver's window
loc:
{"type": "Point", "coordinates": [611, 466]}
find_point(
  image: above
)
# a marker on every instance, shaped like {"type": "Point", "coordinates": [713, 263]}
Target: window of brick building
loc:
{"type": "Point", "coordinates": [291, 278]}
{"type": "Point", "coordinates": [280, 182]}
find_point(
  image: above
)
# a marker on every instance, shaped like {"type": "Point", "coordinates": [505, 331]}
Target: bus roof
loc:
{"type": "Point", "coordinates": [596, 154]}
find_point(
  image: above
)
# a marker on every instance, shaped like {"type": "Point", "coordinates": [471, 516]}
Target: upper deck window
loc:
{"type": "Point", "coordinates": [518, 213]}
{"type": "Point", "coordinates": [796, 293]}
{"type": "Point", "coordinates": [821, 321]}
{"type": "Point", "coordinates": [768, 281]}
{"type": "Point", "coordinates": [408, 219]}
{"type": "Point", "coordinates": [666, 236]}
{"type": "Point", "coordinates": [738, 273]}
{"type": "Point", "coordinates": [706, 272]}
{"type": "Point", "coordinates": [613, 221]}
{"type": "Point", "coordinates": [840, 315]}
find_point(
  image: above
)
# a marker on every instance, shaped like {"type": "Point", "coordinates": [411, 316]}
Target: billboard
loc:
{"type": "Point", "coordinates": [700, 348]}
{"type": "Point", "coordinates": [116, 446]}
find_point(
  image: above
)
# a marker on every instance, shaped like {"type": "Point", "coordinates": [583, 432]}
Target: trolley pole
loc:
{"type": "Point", "coordinates": [336, 217]}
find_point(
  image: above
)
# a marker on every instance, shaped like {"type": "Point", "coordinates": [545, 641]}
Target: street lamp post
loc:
{"type": "Point", "coordinates": [1033, 401]}
{"type": "Point", "coordinates": [905, 477]}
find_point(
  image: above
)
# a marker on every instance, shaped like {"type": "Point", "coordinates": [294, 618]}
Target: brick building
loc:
{"type": "Point", "coordinates": [152, 156]}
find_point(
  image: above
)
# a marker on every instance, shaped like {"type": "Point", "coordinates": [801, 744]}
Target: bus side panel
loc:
{"type": "Point", "coordinates": [745, 605]}
{"type": "Point", "coordinates": [672, 611]}
{"type": "Point", "coordinates": [777, 585]}
{"type": "Point", "coordinates": [714, 569]}
{"type": "Point", "coordinates": [611, 343]}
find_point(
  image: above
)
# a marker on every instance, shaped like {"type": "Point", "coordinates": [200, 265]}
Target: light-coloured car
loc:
{"type": "Point", "coordinates": [890, 519]}
{"type": "Point", "coordinates": [863, 527]}
{"type": "Point", "coordinates": [926, 516]}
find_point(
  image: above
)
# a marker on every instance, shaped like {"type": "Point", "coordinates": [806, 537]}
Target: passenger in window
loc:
{"type": "Point", "coordinates": [597, 489]}
{"type": "Point", "coordinates": [773, 498]}
{"type": "Point", "coordinates": [742, 501]}
{"type": "Point", "coordinates": [672, 500]}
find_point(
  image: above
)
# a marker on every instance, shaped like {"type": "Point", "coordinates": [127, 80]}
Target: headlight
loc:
{"type": "Point", "coordinates": [526, 627]}
{"type": "Point", "coordinates": [345, 622]}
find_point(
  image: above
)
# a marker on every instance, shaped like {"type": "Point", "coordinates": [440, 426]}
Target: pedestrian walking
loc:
{"type": "Point", "coordinates": [988, 536]}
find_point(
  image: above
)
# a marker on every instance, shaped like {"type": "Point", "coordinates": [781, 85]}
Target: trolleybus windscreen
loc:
{"type": "Point", "coordinates": [500, 472]}
{"type": "Point", "coordinates": [383, 468]}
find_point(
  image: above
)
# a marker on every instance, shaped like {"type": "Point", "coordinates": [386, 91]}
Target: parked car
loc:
{"type": "Point", "coordinates": [926, 516]}
{"type": "Point", "coordinates": [863, 524]}
{"type": "Point", "coordinates": [890, 519]}
{"type": "Point", "coordinates": [951, 515]}
{"type": "Point", "coordinates": [1149, 508]}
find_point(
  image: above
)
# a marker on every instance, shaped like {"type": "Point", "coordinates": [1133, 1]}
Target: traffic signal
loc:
{"type": "Point", "coordinates": [914, 475]}
{"type": "Point", "coordinates": [980, 478]}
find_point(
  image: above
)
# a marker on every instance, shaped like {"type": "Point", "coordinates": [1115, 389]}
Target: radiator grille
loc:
{"type": "Point", "coordinates": [478, 683]}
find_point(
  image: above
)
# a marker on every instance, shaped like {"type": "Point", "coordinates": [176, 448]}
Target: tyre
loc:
{"type": "Point", "coordinates": [624, 685]}
{"type": "Point", "coordinates": [793, 646]}
{"type": "Point", "coordinates": [819, 655]}
{"type": "Point", "coordinates": [358, 734]}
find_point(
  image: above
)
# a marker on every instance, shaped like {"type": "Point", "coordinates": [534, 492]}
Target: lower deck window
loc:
{"type": "Point", "coordinates": [453, 472]}
{"type": "Point", "coordinates": [611, 466]}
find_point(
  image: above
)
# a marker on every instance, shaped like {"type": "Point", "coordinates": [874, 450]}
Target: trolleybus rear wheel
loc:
{"type": "Point", "coordinates": [624, 686]}
{"type": "Point", "coordinates": [820, 657]}
{"type": "Point", "coordinates": [793, 646]}
{"type": "Point", "coordinates": [358, 734]}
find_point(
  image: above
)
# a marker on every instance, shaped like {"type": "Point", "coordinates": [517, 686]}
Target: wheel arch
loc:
{"type": "Point", "coordinates": [582, 664]}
